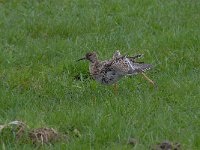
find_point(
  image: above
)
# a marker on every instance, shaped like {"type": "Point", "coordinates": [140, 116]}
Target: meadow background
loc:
{"type": "Point", "coordinates": [42, 84]}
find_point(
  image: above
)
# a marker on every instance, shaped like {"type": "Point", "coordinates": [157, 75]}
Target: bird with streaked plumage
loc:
{"type": "Point", "coordinates": [110, 71]}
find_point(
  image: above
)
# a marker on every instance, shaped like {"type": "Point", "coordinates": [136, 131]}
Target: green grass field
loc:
{"type": "Point", "coordinates": [42, 85]}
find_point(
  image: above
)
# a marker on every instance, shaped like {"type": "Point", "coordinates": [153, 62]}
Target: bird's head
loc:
{"type": "Point", "coordinates": [91, 56]}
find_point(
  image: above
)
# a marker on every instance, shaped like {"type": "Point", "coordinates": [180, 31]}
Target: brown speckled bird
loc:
{"type": "Point", "coordinates": [110, 71]}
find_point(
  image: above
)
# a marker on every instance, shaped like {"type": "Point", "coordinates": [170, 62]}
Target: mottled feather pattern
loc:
{"type": "Point", "coordinates": [110, 71]}
{"type": "Point", "coordinates": [139, 68]}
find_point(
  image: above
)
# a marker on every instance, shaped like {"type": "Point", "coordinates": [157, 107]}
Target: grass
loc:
{"type": "Point", "coordinates": [40, 41]}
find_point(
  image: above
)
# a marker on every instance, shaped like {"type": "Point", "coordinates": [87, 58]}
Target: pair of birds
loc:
{"type": "Point", "coordinates": [110, 71]}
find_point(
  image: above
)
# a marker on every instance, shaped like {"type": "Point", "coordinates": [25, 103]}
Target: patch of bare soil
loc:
{"type": "Point", "coordinates": [166, 145]}
{"type": "Point", "coordinates": [17, 130]}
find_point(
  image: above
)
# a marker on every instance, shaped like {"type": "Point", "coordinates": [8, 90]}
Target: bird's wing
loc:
{"type": "Point", "coordinates": [121, 65]}
{"type": "Point", "coordinates": [125, 66]}
{"type": "Point", "coordinates": [117, 54]}
{"type": "Point", "coordinates": [139, 68]}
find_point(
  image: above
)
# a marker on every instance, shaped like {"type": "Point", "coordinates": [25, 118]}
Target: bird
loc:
{"type": "Point", "coordinates": [109, 72]}
{"type": "Point", "coordinates": [136, 65]}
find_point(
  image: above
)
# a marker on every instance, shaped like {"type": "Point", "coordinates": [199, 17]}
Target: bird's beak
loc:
{"type": "Point", "coordinates": [81, 59]}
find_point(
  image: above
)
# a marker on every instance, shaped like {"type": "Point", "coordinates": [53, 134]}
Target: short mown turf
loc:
{"type": "Point", "coordinates": [42, 84]}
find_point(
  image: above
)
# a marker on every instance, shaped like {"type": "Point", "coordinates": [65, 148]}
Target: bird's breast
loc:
{"type": "Point", "coordinates": [104, 75]}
